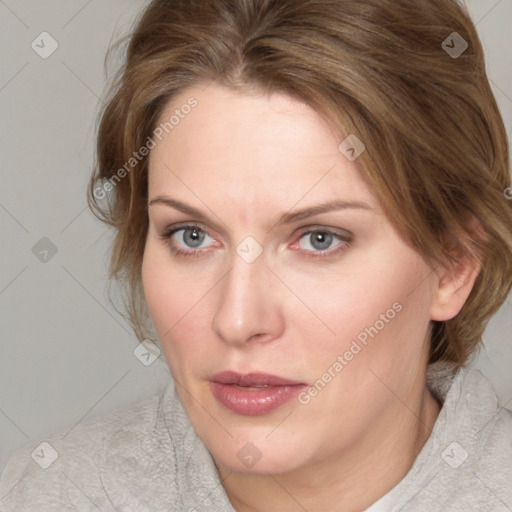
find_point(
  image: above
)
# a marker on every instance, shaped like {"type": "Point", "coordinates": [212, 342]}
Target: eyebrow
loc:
{"type": "Point", "coordinates": [285, 218]}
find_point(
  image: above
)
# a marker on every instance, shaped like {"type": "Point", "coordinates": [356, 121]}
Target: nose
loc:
{"type": "Point", "coordinates": [248, 310]}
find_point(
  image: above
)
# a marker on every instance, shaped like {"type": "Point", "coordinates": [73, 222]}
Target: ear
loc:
{"type": "Point", "coordinates": [454, 284]}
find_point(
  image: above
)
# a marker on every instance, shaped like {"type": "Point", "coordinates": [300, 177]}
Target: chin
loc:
{"type": "Point", "coordinates": [256, 455]}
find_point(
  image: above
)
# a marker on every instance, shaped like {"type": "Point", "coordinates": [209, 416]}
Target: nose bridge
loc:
{"type": "Point", "coordinates": [245, 308]}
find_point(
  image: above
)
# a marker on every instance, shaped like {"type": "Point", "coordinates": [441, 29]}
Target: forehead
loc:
{"type": "Point", "coordinates": [254, 146]}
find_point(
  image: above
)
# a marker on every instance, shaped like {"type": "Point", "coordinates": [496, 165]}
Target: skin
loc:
{"type": "Point", "coordinates": [244, 160]}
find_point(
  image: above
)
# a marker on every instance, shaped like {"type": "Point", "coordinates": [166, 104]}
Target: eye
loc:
{"type": "Point", "coordinates": [322, 243]}
{"type": "Point", "coordinates": [317, 240]}
{"type": "Point", "coordinates": [187, 240]}
{"type": "Point", "coordinates": [192, 240]}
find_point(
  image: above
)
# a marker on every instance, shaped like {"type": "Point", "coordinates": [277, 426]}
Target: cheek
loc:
{"type": "Point", "coordinates": [163, 297]}
{"type": "Point", "coordinates": [382, 306]}
{"type": "Point", "coordinates": [374, 301]}
{"type": "Point", "coordinates": [380, 320]}
{"type": "Point", "coordinates": [161, 302]}
{"type": "Point", "coordinates": [175, 302]}
{"type": "Point", "coordinates": [169, 294]}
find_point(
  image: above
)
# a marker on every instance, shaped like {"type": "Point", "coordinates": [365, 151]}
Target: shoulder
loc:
{"type": "Point", "coordinates": [492, 455]}
{"type": "Point", "coordinates": [466, 463]}
{"type": "Point", "coordinates": [475, 446]}
{"type": "Point", "coordinates": [99, 463]}
{"type": "Point", "coordinates": [475, 417]}
{"type": "Point", "coordinates": [476, 469]}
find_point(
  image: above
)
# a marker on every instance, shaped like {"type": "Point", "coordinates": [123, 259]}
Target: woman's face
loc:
{"type": "Point", "coordinates": [294, 318]}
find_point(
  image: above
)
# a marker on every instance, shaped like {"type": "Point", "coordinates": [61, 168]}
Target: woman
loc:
{"type": "Point", "coordinates": [310, 201]}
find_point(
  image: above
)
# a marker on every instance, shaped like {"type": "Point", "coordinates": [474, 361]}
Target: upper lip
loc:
{"type": "Point", "coordinates": [252, 379]}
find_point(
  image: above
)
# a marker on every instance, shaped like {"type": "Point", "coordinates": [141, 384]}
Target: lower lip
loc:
{"type": "Point", "coordinates": [251, 401]}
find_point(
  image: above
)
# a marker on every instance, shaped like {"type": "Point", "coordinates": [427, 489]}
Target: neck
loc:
{"type": "Point", "coordinates": [353, 480]}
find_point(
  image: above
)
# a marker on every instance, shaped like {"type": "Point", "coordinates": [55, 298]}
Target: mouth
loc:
{"type": "Point", "coordinates": [253, 394]}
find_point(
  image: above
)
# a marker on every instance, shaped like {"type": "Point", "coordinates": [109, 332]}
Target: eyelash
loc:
{"type": "Point", "coordinates": [345, 243]}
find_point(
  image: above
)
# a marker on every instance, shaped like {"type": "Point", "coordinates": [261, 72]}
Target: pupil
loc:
{"type": "Point", "coordinates": [321, 241]}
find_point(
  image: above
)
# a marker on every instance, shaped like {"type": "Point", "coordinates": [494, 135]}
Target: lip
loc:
{"type": "Point", "coordinates": [253, 394]}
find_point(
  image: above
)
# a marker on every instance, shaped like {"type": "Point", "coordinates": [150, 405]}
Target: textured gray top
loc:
{"type": "Point", "coordinates": [146, 457]}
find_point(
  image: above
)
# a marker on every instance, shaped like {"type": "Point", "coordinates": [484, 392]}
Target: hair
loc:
{"type": "Point", "coordinates": [436, 148]}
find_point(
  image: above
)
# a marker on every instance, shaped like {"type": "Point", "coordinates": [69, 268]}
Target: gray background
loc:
{"type": "Point", "coordinates": [66, 354]}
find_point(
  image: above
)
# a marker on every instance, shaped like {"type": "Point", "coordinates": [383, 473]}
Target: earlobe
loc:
{"type": "Point", "coordinates": [454, 284]}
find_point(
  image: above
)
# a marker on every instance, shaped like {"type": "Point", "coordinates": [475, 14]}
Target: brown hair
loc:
{"type": "Point", "coordinates": [436, 147]}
